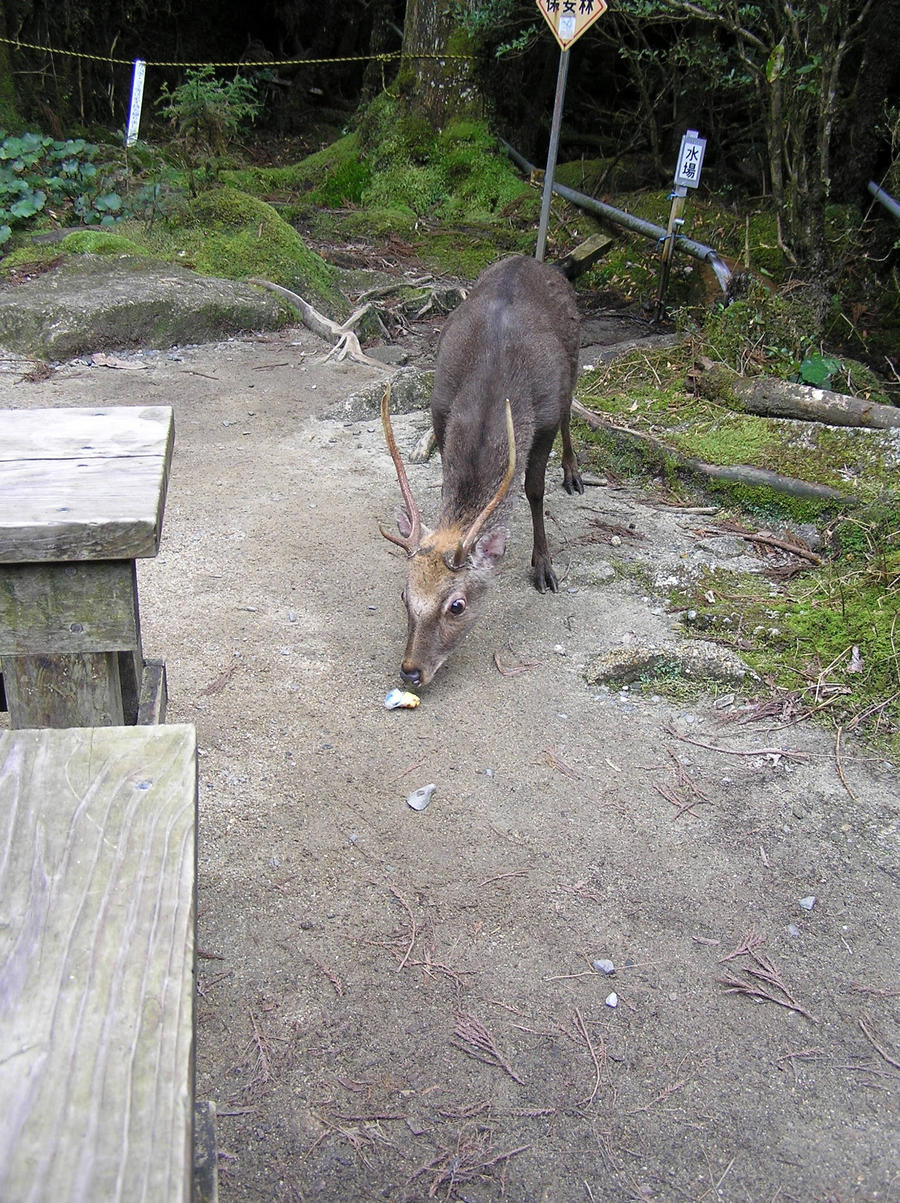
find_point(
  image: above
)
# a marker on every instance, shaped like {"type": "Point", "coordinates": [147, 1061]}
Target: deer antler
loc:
{"type": "Point", "coordinates": [412, 540]}
{"type": "Point", "coordinates": [471, 536]}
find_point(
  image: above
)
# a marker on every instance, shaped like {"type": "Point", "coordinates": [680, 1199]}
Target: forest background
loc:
{"type": "Point", "coordinates": [799, 101]}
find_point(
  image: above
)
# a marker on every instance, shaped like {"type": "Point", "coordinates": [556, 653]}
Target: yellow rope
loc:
{"type": "Point", "coordinates": [288, 62]}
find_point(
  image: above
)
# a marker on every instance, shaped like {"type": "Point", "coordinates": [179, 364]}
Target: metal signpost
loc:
{"type": "Point", "coordinates": [568, 19]}
{"type": "Point", "coordinates": [687, 175]}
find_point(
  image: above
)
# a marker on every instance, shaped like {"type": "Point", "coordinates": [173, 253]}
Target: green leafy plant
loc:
{"type": "Point", "coordinates": [37, 170]}
{"type": "Point", "coordinates": [826, 637]}
{"type": "Point", "coordinates": [818, 370]}
{"type": "Point", "coordinates": [207, 112]}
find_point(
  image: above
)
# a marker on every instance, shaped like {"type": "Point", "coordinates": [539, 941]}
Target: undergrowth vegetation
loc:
{"type": "Point", "coordinates": [827, 640]}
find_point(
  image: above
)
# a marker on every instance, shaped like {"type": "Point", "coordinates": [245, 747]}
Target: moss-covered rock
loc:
{"type": "Point", "coordinates": [100, 242]}
{"type": "Point", "coordinates": [94, 302]}
{"type": "Point", "coordinates": [232, 235]}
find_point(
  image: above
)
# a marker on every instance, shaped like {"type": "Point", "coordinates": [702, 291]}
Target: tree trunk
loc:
{"type": "Point", "coordinates": [9, 114]}
{"type": "Point", "coordinates": [381, 40]}
{"type": "Point", "coordinates": [437, 77]}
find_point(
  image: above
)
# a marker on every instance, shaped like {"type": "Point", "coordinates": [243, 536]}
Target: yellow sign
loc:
{"type": "Point", "coordinates": [570, 18]}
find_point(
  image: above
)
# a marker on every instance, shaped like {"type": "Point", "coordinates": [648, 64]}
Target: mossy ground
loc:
{"type": "Point", "coordinates": [453, 195]}
{"type": "Point", "coordinates": [829, 639]}
{"type": "Point", "coordinates": [799, 635]}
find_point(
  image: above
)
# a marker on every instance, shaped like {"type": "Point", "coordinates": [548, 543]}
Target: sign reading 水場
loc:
{"type": "Point", "coordinates": [690, 160]}
{"type": "Point", "coordinates": [570, 18]}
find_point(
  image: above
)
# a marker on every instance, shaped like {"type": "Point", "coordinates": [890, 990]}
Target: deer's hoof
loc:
{"type": "Point", "coordinates": [572, 483]}
{"type": "Point", "coordinates": [545, 578]}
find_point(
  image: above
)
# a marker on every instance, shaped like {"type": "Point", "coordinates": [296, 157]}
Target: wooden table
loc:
{"type": "Point", "coordinates": [97, 916]}
{"type": "Point", "coordinates": [82, 494]}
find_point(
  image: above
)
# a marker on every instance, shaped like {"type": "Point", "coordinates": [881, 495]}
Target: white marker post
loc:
{"type": "Point", "coordinates": [137, 99]}
{"type": "Point", "coordinates": [687, 175]}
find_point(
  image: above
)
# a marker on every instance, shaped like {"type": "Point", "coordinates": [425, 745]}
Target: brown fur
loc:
{"type": "Point", "coordinates": [514, 339]}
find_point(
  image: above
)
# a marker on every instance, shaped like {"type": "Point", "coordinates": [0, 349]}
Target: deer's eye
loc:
{"type": "Point", "coordinates": [457, 607]}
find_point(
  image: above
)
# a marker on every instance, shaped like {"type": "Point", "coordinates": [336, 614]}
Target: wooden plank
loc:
{"type": "Point", "coordinates": [78, 433]}
{"type": "Point", "coordinates": [97, 897]}
{"type": "Point", "coordinates": [79, 484]}
{"type": "Point", "coordinates": [584, 256]}
{"type": "Point", "coordinates": [79, 607]}
{"type": "Point", "coordinates": [64, 690]}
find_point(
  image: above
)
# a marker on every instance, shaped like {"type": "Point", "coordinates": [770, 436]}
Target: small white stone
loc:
{"type": "Point", "coordinates": [808, 903]}
{"type": "Point", "coordinates": [603, 965]}
{"type": "Point", "coordinates": [612, 1000]}
{"type": "Point", "coordinates": [420, 798]}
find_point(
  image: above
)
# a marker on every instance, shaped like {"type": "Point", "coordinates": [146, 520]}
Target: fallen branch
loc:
{"type": "Point", "coordinates": [741, 474]}
{"type": "Point", "coordinates": [346, 343]}
{"type": "Point", "coordinates": [385, 290]}
{"type": "Point", "coordinates": [768, 540]}
{"type": "Point", "coordinates": [774, 398]}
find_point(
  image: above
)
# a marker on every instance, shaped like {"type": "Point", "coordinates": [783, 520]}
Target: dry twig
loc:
{"type": "Point", "coordinates": [698, 743]}
{"type": "Point", "coordinates": [414, 931]}
{"type": "Point", "coordinates": [472, 1158]}
{"type": "Point", "coordinates": [839, 766]}
{"type": "Point", "coordinates": [513, 670]}
{"type": "Point", "coordinates": [556, 762]}
{"type": "Point", "coordinates": [877, 1047]}
{"type": "Point", "coordinates": [767, 984]}
{"type": "Point", "coordinates": [598, 1061]}
{"type": "Point", "coordinates": [748, 945]}
{"type": "Point", "coordinates": [477, 1042]}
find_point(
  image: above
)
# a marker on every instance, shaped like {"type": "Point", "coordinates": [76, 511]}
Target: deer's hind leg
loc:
{"type": "Point", "coordinates": [572, 482]}
{"type": "Point", "coordinates": [535, 475]}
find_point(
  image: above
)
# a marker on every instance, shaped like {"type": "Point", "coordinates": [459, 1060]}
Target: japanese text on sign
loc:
{"type": "Point", "coordinates": [690, 160]}
{"type": "Point", "coordinates": [568, 19]}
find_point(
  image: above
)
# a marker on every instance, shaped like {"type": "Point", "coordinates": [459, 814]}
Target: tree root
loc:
{"type": "Point", "coordinates": [346, 343]}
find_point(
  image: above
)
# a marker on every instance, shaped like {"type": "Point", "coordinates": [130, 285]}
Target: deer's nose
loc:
{"type": "Point", "coordinates": [411, 675]}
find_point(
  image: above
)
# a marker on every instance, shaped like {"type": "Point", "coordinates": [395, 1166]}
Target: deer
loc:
{"type": "Point", "coordinates": [506, 366]}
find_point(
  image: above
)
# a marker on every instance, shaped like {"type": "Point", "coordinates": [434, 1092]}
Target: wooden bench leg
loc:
{"type": "Point", "coordinates": [154, 695]}
{"type": "Point", "coordinates": [64, 690]}
{"type": "Point", "coordinates": [206, 1154]}
{"type": "Point", "coordinates": [70, 644]}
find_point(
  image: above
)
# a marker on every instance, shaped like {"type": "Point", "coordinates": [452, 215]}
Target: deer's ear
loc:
{"type": "Point", "coordinates": [490, 547]}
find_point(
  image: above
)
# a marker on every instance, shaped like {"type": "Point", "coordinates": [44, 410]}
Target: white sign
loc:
{"type": "Point", "coordinates": [690, 160]}
{"type": "Point", "coordinates": [570, 18]}
{"type": "Point", "coordinates": [137, 99]}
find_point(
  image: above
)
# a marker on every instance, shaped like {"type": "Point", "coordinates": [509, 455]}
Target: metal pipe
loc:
{"type": "Point", "coordinates": [886, 199]}
{"type": "Point", "coordinates": [636, 224]}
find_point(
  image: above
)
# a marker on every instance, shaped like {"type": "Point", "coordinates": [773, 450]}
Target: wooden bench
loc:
{"type": "Point", "coordinates": [97, 914]}
{"type": "Point", "coordinates": [82, 494]}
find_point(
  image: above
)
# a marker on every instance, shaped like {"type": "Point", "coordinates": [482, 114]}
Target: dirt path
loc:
{"type": "Point", "coordinates": [400, 1005]}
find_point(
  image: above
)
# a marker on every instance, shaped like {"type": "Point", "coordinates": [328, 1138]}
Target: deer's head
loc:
{"type": "Point", "coordinates": [449, 569]}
